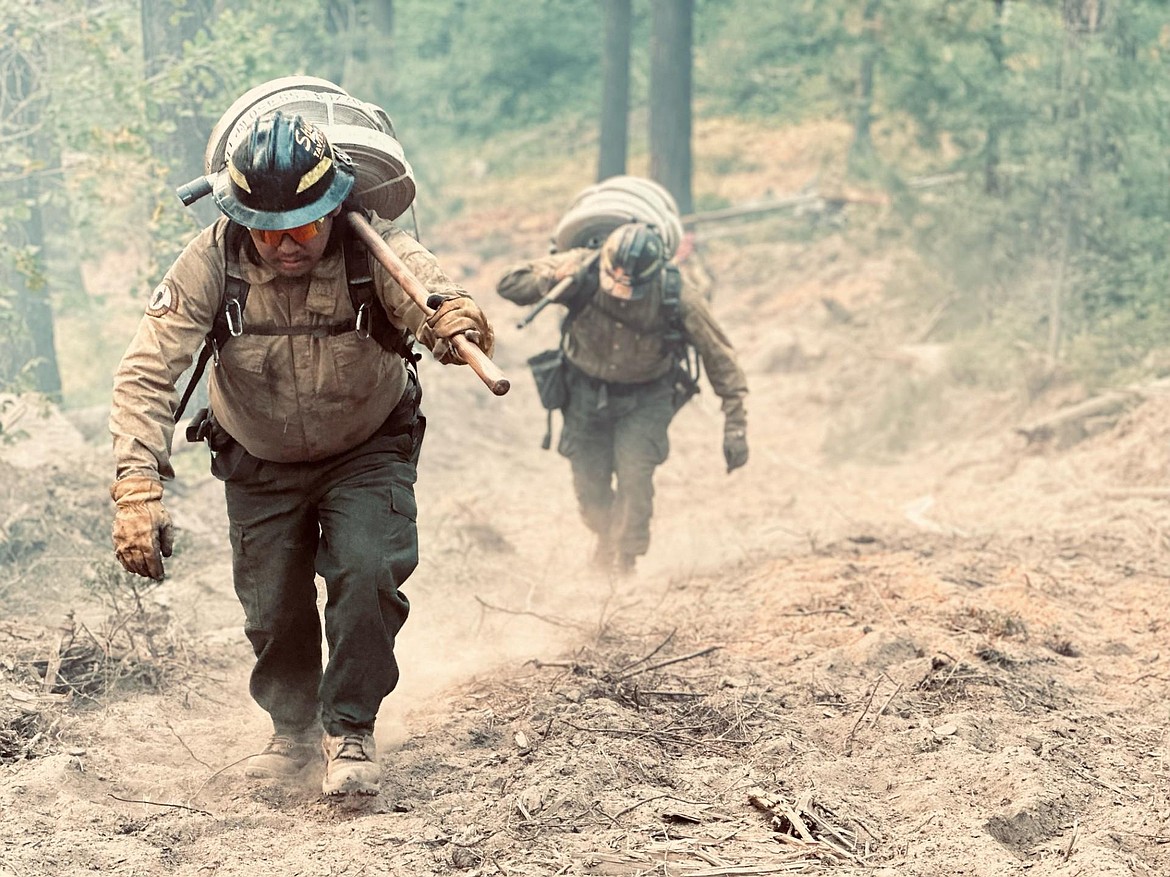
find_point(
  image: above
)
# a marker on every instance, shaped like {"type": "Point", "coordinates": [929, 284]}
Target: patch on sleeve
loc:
{"type": "Point", "coordinates": [162, 301]}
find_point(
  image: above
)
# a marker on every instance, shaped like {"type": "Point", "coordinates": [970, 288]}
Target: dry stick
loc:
{"type": "Point", "coordinates": [622, 813]}
{"type": "Point", "coordinates": [873, 722]}
{"type": "Point", "coordinates": [656, 650]}
{"type": "Point", "coordinates": [560, 665]}
{"type": "Point", "coordinates": [794, 820]}
{"type": "Point", "coordinates": [53, 665]}
{"type": "Point", "coordinates": [675, 693]}
{"type": "Point", "coordinates": [848, 748]}
{"type": "Point", "coordinates": [543, 618]}
{"type": "Point", "coordinates": [199, 790]}
{"type": "Point", "coordinates": [487, 370]}
{"type": "Point", "coordinates": [666, 663]}
{"type": "Point", "coordinates": [1068, 851]}
{"type": "Point", "coordinates": [748, 870]}
{"type": "Point", "coordinates": [805, 806]}
{"type": "Point", "coordinates": [1079, 771]}
{"type": "Point", "coordinates": [894, 618]}
{"type": "Point", "coordinates": [183, 743]}
{"type": "Point", "coordinates": [161, 804]}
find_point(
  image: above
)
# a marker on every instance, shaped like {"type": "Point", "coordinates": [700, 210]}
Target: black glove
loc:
{"type": "Point", "coordinates": [735, 448]}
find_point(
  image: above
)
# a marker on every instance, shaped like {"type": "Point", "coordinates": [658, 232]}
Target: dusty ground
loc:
{"type": "Point", "coordinates": [947, 662]}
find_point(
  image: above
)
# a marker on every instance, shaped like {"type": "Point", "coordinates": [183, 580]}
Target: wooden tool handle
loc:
{"type": "Point", "coordinates": [487, 370]}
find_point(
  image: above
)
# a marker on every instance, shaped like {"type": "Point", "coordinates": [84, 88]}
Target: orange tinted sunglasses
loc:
{"type": "Point", "coordinates": [301, 234]}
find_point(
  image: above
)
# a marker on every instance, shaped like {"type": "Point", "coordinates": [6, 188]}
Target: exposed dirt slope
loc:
{"type": "Point", "coordinates": [950, 663]}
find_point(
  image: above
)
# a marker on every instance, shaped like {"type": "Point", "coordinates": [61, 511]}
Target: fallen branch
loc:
{"type": "Point", "coordinates": [791, 820]}
{"type": "Point", "coordinates": [749, 870]}
{"type": "Point", "coordinates": [622, 813]}
{"type": "Point", "coordinates": [162, 804]}
{"type": "Point", "coordinates": [847, 748]}
{"type": "Point", "coordinates": [1068, 424]}
{"type": "Point", "coordinates": [667, 663]}
{"type": "Point", "coordinates": [654, 652]}
{"type": "Point", "coordinates": [547, 620]}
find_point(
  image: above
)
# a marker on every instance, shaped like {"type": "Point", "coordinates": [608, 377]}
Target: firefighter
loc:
{"type": "Point", "coordinates": [631, 320]}
{"type": "Point", "coordinates": [315, 429]}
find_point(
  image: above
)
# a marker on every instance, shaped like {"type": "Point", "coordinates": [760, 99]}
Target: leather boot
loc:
{"type": "Point", "coordinates": [286, 755]}
{"type": "Point", "coordinates": [351, 765]}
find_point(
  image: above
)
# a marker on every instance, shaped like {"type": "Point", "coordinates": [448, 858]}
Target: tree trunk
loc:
{"type": "Point", "coordinates": [1082, 19]}
{"type": "Point", "coordinates": [861, 150]}
{"type": "Point", "coordinates": [32, 357]}
{"type": "Point", "coordinates": [364, 33]}
{"type": "Point", "coordinates": [615, 93]}
{"type": "Point", "coordinates": [166, 26]}
{"type": "Point", "coordinates": [671, 34]}
{"type": "Point", "coordinates": [991, 152]}
{"type": "Point", "coordinates": [1084, 16]}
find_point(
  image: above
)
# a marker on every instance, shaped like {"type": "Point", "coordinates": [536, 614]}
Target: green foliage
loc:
{"type": "Point", "coordinates": [1059, 137]}
{"type": "Point", "coordinates": [466, 69]}
{"type": "Point", "coordinates": [1053, 137]}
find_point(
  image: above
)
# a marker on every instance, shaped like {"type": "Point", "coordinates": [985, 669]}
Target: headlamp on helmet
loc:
{"type": "Point", "coordinates": [631, 257]}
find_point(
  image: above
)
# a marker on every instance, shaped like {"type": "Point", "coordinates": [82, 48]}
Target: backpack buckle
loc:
{"type": "Point", "coordinates": [234, 315]}
{"type": "Point", "coordinates": [362, 324]}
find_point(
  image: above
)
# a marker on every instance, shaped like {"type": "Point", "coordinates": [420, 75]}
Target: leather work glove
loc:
{"type": "Point", "coordinates": [578, 267]}
{"type": "Point", "coordinates": [735, 448]}
{"type": "Point", "coordinates": [459, 315]}
{"type": "Point", "coordinates": [143, 533]}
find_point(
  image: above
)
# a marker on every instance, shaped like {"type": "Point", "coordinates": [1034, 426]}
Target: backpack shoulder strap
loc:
{"type": "Point", "coordinates": [676, 333]}
{"type": "Point", "coordinates": [676, 338]}
{"type": "Point", "coordinates": [229, 316]}
{"type": "Point", "coordinates": [372, 321]}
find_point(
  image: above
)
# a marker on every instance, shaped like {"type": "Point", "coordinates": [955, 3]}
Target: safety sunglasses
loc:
{"type": "Point", "coordinates": [301, 234]}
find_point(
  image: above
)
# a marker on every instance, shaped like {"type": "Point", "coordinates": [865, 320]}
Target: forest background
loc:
{"type": "Point", "coordinates": [949, 222]}
{"type": "Point", "coordinates": [1016, 149]}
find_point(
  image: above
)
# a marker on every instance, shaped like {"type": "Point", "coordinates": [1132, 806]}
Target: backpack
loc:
{"type": "Point", "coordinates": [371, 321]}
{"type": "Point", "coordinates": [548, 366]}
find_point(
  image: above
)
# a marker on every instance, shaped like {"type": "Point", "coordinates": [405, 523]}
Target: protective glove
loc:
{"type": "Point", "coordinates": [143, 533]}
{"type": "Point", "coordinates": [735, 448]}
{"type": "Point", "coordinates": [578, 265]}
{"type": "Point", "coordinates": [459, 315]}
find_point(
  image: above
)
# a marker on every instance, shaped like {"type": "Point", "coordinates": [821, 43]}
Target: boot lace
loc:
{"type": "Point", "coordinates": [352, 749]}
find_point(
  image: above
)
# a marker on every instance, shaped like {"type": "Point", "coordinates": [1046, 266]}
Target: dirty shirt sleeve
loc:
{"type": "Point", "coordinates": [423, 264]}
{"type": "Point", "coordinates": [718, 356]}
{"type": "Point", "coordinates": [178, 315]}
{"type": "Point", "coordinates": [526, 282]}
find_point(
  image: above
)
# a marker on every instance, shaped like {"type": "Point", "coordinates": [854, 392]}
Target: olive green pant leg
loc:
{"type": "Point", "coordinates": [587, 441]}
{"type": "Point", "coordinates": [274, 536]}
{"type": "Point", "coordinates": [351, 519]}
{"type": "Point", "coordinates": [614, 442]}
{"type": "Point", "coordinates": [369, 548]}
{"type": "Point", "coordinates": [641, 445]}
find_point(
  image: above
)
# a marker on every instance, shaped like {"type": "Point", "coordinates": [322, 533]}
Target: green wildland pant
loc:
{"type": "Point", "coordinates": [351, 519]}
{"type": "Point", "coordinates": [615, 436]}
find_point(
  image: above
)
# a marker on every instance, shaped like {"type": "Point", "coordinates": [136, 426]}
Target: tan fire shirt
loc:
{"type": "Point", "coordinates": [624, 342]}
{"type": "Point", "coordinates": [285, 398]}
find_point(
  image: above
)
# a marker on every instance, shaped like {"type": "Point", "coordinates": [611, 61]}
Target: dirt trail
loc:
{"type": "Point", "coordinates": [947, 664]}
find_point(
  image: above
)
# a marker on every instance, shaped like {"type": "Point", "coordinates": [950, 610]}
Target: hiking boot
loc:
{"type": "Point", "coordinates": [285, 756]}
{"type": "Point", "coordinates": [351, 765]}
